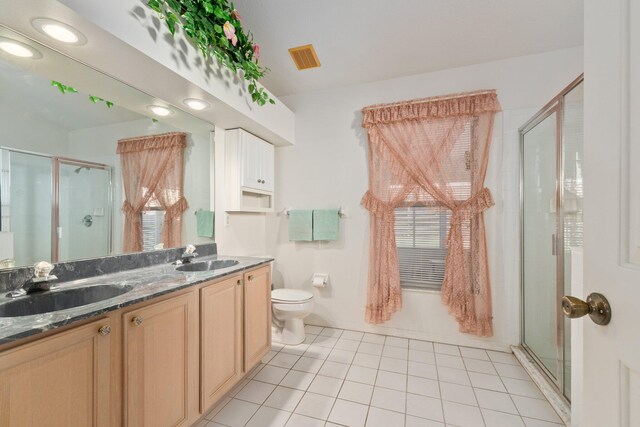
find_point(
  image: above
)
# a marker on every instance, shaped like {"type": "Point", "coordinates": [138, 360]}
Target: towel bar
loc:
{"type": "Point", "coordinates": [341, 212]}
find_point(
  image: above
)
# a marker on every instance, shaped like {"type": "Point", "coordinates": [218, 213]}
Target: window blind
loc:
{"type": "Point", "coordinates": [152, 222]}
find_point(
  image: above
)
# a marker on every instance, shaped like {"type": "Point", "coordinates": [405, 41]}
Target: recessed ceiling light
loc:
{"type": "Point", "coordinates": [59, 31]}
{"type": "Point", "coordinates": [196, 104]}
{"type": "Point", "coordinates": [159, 110]}
{"type": "Point", "coordinates": [19, 49]}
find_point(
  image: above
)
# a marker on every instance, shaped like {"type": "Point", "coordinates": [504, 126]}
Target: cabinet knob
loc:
{"type": "Point", "coordinates": [258, 181]}
{"type": "Point", "coordinates": [104, 330]}
{"type": "Point", "coordinates": [137, 320]}
{"type": "Point", "coordinates": [250, 277]}
{"type": "Point", "coordinates": [239, 282]}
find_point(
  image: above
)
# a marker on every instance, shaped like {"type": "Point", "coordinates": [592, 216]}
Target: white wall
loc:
{"type": "Point", "coordinates": [99, 145]}
{"type": "Point", "coordinates": [27, 130]}
{"type": "Point", "coordinates": [328, 168]}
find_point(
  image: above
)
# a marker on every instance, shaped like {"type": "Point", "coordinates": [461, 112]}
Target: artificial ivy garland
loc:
{"type": "Point", "coordinates": [215, 27]}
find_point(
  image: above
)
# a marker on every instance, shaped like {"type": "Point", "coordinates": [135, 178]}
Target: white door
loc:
{"type": "Point", "coordinates": [610, 395]}
{"type": "Point", "coordinates": [267, 166]}
{"type": "Point", "coordinates": [250, 158]}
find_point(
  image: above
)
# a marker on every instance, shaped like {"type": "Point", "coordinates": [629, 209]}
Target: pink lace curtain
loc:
{"type": "Point", "coordinates": [432, 152]}
{"type": "Point", "coordinates": [152, 174]}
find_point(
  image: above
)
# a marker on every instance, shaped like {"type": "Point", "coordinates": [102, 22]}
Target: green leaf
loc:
{"type": "Point", "coordinates": [93, 99]}
{"type": "Point", "coordinates": [208, 6]}
{"type": "Point", "coordinates": [109, 104]}
{"type": "Point", "coordinates": [154, 120]}
{"type": "Point", "coordinates": [217, 28]}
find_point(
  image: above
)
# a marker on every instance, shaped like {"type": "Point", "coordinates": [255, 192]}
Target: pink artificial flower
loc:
{"type": "Point", "coordinates": [236, 15]}
{"type": "Point", "coordinates": [234, 40]}
{"type": "Point", "coordinates": [256, 50]}
{"type": "Point", "coordinates": [229, 31]}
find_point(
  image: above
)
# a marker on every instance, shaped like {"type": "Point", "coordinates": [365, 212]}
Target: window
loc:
{"type": "Point", "coordinates": [152, 222]}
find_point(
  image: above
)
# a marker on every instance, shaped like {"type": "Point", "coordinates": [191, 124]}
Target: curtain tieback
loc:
{"type": "Point", "coordinates": [176, 209]}
{"type": "Point", "coordinates": [130, 212]}
{"type": "Point", "coordinates": [377, 207]}
{"type": "Point", "coordinates": [474, 205]}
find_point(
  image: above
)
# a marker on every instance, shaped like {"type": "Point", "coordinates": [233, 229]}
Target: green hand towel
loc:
{"type": "Point", "coordinates": [300, 226]}
{"type": "Point", "coordinates": [206, 223]}
{"type": "Point", "coordinates": [326, 223]}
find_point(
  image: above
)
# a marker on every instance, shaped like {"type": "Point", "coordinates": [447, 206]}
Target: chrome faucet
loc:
{"type": "Point", "coordinates": [41, 280]}
{"type": "Point", "coordinates": [189, 254]}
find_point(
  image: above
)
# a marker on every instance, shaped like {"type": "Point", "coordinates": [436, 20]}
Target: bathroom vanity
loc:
{"type": "Point", "coordinates": [160, 354]}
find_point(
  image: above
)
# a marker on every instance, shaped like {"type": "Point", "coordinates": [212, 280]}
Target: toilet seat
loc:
{"type": "Point", "coordinates": [290, 296]}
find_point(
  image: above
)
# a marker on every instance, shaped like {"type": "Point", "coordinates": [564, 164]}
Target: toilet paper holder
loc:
{"type": "Point", "coordinates": [319, 280]}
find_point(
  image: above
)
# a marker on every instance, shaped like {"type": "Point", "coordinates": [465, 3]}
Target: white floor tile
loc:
{"type": "Point", "coordinates": [500, 419]}
{"type": "Point", "coordinates": [423, 386]}
{"type": "Point", "coordinates": [421, 345]}
{"type": "Point", "coordinates": [446, 349]}
{"type": "Point", "coordinates": [424, 407]}
{"type": "Point", "coordinates": [284, 360]}
{"type": "Point", "coordinates": [236, 413]}
{"type": "Point", "coordinates": [267, 357]}
{"type": "Point", "coordinates": [458, 393]}
{"type": "Point", "coordinates": [308, 364]}
{"type": "Point", "coordinates": [383, 418]}
{"type": "Point", "coordinates": [392, 400]}
{"type": "Point", "coordinates": [349, 345]}
{"type": "Point", "coordinates": [423, 370]}
{"type": "Point", "coordinates": [349, 413]}
{"type": "Point", "coordinates": [536, 408]}
{"type": "Point", "coordinates": [221, 404]}
{"type": "Point", "coordinates": [474, 353]}
{"type": "Point", "coordinates": [284, 398]}
{"type": "Point", "coordinates": [373, 338]}
{"type": "Point", "coordinates": [331, 332]}
{"type": "Point", "coordinates": [412, 421]}
{"type": "Point", "coordinates": [422, 356]}
{"type": "Point", "coordinates": [298, 420]}
{"type": "Point", "coordinates": [356, 392]}
{"type": "Point", "coordinates": [449, 361]}
{"type": "Point", "coordinates": [252, 373]}
{"type": "Point", "coordinates": [342, 356]}
{"type": "Point", "coordinates": [309, 338]}
{"type": "Point", "coordinates": [298, 380]}
{"type": "Point", "coordinates": [370, 348]}
{"type": "Point", "coordinates": [255, 392]}
{"type": "Point", "coordinates": [325, 385]}
{"type": "Point", "coordinates": [310, 329]}
{"type": "Point", "coordinates": [366, 360]}
{"type": "Point", "coordinates": [496, 401]}
{"type": "Point", "coordinates": [397, 342]}
{"type": "Point", "coordinates": [395, 352]}
{"type": "Point", "coordinates": [393, 365]}
{"type": "Point", "coordinates": [530, 422]}
{"type": "Point", "coordinates": [334, 369]}
{"type": "Point", "coordinates": [455, 376]}
{"type": "Point", "coordinates": [276, 346]}
{"type": "Point", "coordinates": [500, 357]}
{"type": "Point", "coordinates": [362, 374]}
{"type": "Point", "coordinates": [352, 335]}
{"type": "Point", "coordinates": [315, 405]}
{"type": "Point", "coordinates": [511, 371]}
{"type": "Point", "coordinates": [236, 389]}
{"type": "Point", "coordinates": [271, 374]}
{"type": "Point", "coordinates": [391, 380]}
{"type": "Point", "coordinates": [295, 349]}
{"type": "Point", "coordinates": [482, 366]}
{"type": "Point", "coordinates": [462, 415]}
{"type": "Point", "coordinates": [522, 388]}
{"type": "Point", "coordinates": [269, 417]}
{"type": "Point", "coordinates": [317, 352]}
{"type": "Point", "coordinates": [325, 341]}
{"type": "Point", "coordinates": [490, 382]}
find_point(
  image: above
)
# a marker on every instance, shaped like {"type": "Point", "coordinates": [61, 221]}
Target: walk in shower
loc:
{"type": "Point", "coordinates": [551, 194]}
{"type": "Point", "coordinates": [53, 208]}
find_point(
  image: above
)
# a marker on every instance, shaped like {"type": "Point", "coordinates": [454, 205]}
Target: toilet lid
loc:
{"type": "Point", "coordinates": [290, 295]}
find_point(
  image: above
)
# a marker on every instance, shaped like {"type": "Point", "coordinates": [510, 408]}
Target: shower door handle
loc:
{"type": "Point", "coordinates": [554, 243]}
{"type": "Point", "coordinates": [596, 306]}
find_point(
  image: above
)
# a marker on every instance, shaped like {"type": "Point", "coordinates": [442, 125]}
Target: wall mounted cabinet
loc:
{"type": "Point", "coordinates": [249, 172]}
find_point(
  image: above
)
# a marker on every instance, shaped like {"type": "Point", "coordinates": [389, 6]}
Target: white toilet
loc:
{"type": "Point", "coordinates": [290, 307]}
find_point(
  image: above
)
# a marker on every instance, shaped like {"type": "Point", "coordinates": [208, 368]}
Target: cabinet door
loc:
{"type": "Point", "coordinates": [221, 339]}
{"type": "Point", "coordinates": [161, 363]}
{"type": "Point", "coordinates": [267, 159]}
{"type": "Point", "coordinates": [63, 380]}
{"type": "Point", "coordinates": [250, 160]}
{"type": "Point", "coordinates": [257, 316]}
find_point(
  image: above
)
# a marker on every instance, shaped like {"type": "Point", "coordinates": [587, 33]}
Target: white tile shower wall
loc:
{"type": "Point", "coordinates": [328, 168]}
{"type": "Point", "coordinates": [99, 144]}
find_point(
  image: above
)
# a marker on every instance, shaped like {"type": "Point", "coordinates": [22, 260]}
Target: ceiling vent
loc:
{"type": "Point", "coordinates": [304, 57]}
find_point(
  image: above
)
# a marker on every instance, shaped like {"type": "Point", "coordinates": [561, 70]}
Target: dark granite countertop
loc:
{"type": "Point", "coordinates": [147, 283]}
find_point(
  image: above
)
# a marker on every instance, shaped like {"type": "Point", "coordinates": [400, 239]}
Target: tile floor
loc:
{"type": "Point", "coordinates": [347, 378]}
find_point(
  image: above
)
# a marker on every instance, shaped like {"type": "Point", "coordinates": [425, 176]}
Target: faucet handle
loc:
{"type": "Point", "coordinates": [42, 269]}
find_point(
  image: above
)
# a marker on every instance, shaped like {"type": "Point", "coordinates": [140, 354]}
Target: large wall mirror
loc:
{"type": "Point", "coordinates": [61, 183]}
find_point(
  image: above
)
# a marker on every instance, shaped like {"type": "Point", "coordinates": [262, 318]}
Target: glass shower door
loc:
{"type": "Point", "coordinates": [539, 245]}
{"type": "Point", "coordinates": [84, 210]}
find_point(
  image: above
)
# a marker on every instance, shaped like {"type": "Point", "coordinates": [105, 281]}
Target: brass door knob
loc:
{"type": "Point", "coordinates": [137, 320]}
{"type": "Point", "coordinates": [250, 277]}
{"type": "Point", "coordinates": [104, 330]}
{"type": "Point", "coordinates": [596, 306]}
{"type": "Point", "coordinates": [239, 282]}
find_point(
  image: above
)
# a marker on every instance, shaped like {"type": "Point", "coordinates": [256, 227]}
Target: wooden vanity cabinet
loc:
{"type": "Point", "coordinates": [257, 316]}
{"type": "Point", "coordinates": [220, 339]}
{"type": "Point", "coordinates": [62, 380]}
{"type": "Point", "coordinates": [161, 368]}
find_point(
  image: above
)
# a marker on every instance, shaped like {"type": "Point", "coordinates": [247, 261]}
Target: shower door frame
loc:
{"type": "Point", "coordinates": [55, 206]}
{"type": "Point", "coordinates": [556, 105]}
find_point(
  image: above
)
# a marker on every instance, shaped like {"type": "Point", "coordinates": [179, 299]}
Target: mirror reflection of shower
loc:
{"type": "Point", "coordinates": [78, 170]}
